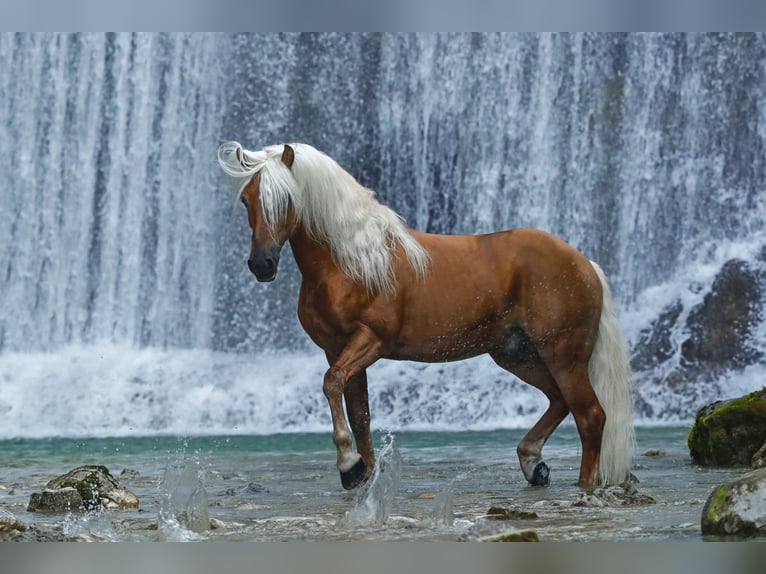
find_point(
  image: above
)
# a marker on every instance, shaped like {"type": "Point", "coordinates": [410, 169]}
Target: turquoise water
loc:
{"type": "Point", "coordinates": [435, 486]}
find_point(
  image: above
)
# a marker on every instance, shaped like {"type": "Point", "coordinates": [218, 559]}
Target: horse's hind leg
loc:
{"type": "Point", "coordinates": [534, 372]}
{"type": "Point", "coordinates": [574, 385]}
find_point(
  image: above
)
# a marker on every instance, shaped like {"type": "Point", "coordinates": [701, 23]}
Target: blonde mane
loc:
{"type": "Point", "coordinates": [362, 233]}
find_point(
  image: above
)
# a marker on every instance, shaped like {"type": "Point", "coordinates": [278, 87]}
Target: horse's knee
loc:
{"type": "Point", "coordinates": [333, 383]}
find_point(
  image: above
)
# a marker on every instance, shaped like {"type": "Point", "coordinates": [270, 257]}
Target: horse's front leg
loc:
{"type": "Point", "coordinates": [358, 410]}
{"type": "Point", "coordinates": [360, 352]}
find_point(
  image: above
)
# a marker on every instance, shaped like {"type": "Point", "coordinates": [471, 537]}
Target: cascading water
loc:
{"type": "Point", "coordinates": [126, 304]}
{"type": "Point", "coordinates": [107, 171]}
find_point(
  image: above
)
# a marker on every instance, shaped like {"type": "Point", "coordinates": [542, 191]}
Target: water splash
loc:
{"type": "Point", "coordinates": [183, 512]}
{"type": "Point", "coordinates": [95, 524]}
{"type": "Point", "coordinates": [441, 512]}
{"type": "Point", "coordinates": [373, 503]}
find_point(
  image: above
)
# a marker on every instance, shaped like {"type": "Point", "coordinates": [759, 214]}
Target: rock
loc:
{"type": "Point", "coordinates": [518, 536]}
{"type": "Point", "coordinates": [9, 522]}
{"type": "Point", "coordinates": [254, 487]}
{"type": "Point", "coordinates": [82, 488]}
{"type": "Point", "coordinates": [655, 453]}
{"type": "Point", "coordinates": [655, 343]}
{"type": "Point", "coordinates": [129, 474]}
{"type": "Point", "coordinates": [683, 348]}
{"type": "Point", "coordinates": [56, 500]}
{"type": "Point", "coordinates": [729, 433]}
{"type": "Point", "coordinates": [720, 327]}
{"type": "Point", "coordinates": [216, 524]}
{"type": "Point", "coordinates": [759, 458]}
{"type": "Point", "coordinates": [624, 494]}
{"type": "Point", "coordinates": [737, 508]}
{"type": "Point", "coordinates": [509, 513]}
{"type": "Point", "coordinates": [488, 530]}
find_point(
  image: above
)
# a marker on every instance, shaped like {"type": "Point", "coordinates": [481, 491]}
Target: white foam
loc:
{"type": "Point", "coordinates": [108, 390]}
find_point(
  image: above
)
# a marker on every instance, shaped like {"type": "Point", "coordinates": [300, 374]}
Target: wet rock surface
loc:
{"type": "Point", "coordinates": [685, 347]}
{"type": "Point", "coordinates": [731, 432]}
{"type": "Point", "coordinates": [759, 458]}
{"type": "Point", "coordinates": [10, 524]}
{"type": "Point", "coordinates": [509, 513]}
{"type": "Point", "coordinates": [617, 495]}
{"type": "Point", "coordinates": [737, 508]}
{"type": "Point", "coordinates": [491, 530]}
{"type": "Point", "coordinates": [56, 500]}
{"type": "Point", "coordinates": [83, 488]}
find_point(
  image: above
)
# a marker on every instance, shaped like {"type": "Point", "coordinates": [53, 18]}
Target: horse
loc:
{"type": "Point", "coordinates": [372, 289]}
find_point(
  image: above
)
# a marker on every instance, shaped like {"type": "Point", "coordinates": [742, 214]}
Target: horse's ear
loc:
{"type": "Point", "coordinates": [288, 156]}
{"type": "Point", "coordinates": [238, 153]}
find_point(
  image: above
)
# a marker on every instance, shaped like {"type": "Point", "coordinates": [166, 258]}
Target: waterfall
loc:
{"type": "Point", "coordinates": [107, 174]}
{"type": "Point", "coordinates": [120, 242]}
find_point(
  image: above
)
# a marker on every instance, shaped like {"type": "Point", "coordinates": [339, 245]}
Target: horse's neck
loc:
{"type": "Point", "coordinates": [313, 258]}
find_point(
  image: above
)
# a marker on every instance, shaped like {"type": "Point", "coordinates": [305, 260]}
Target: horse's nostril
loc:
{"type": "Point", "coordinates": [263, 268]}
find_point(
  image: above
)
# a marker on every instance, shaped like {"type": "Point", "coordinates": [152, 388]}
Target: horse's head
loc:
{"type": "Point", "coordinates": [268, 236]}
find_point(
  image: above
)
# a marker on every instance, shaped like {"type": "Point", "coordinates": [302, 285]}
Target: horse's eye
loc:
{"type": "Point", "coordinates": [242, 199]}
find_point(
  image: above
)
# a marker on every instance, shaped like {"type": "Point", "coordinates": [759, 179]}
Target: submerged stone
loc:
{"type": "Point", "coordinates": [9, 522]}
{"type": "Point", "coordinates": [737, 508]}
{"type": "Point", "coordinates": [488, 529]}
{"type": "Point", "coordinates": [520, 536]}
{"type": "Point", "coordinates": [509, 513]}
{"type": "Point", "coordinates": [624, 494]}
{"type": "Point", "coordinates": [729, 433]}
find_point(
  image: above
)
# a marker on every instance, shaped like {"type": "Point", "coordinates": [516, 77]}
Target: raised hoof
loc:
{"type": "Point", "coordinates": [354, 476]}
{"type": "Point", "coordinates": [541, 476]}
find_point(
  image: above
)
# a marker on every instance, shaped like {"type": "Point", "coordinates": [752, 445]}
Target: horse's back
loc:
{"type": "Point", "coordinates": [481, 288]}
{"type": "Point", "coordinates": [508, 262]}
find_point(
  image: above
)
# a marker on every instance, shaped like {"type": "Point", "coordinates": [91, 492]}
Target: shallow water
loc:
{"type": "Point", "coordinates": [434, 486]}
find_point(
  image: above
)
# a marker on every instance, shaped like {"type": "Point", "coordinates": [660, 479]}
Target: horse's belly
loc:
{"type": "Point", "coordinates": [453, 344]}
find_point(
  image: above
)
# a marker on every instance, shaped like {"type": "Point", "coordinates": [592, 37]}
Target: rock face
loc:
{"type": "Point", "coordinates": [56, 500]}
{"type": "Point", "coordinates": [683, 347]}
{"type": "Point", "coordinates": [729, 433]}
{"type": "Point", "coordinates": [720, 328]}
{"type": "Point", "coordinates": [82, 488]}
{"type": "Point", "coordinates": [759, 458]}
{"type": "Point", "coordinates": [737, 508]}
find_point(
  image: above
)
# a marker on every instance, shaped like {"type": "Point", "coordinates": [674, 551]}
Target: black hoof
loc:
{"type": "Point", "coordinates": [541, 476]}
{"type": "Point", "coordinates": [354, 476]}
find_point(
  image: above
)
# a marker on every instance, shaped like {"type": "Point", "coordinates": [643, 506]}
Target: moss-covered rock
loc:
{"type": "Point", "coordinates": [729, 433]}
{"type": "Point", "coordinates": [520, 536]}
{"type": "Point", "coordinates": [83, 488]}
{"type": "Point", "coordinates": [737, 508]}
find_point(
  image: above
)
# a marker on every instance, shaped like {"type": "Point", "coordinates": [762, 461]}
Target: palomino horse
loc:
{"type": "Point", "coordinates": [374, 289]}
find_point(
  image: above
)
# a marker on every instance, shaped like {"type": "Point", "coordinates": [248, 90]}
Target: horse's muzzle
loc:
{"type": "Point", "coordinates": [264, 268]}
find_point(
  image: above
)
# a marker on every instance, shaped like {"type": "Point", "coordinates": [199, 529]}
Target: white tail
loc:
{"type": "Point", "coordinates": [609, 373]}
